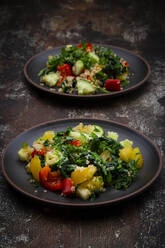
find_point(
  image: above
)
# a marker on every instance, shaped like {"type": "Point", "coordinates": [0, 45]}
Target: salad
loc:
{"type": "Point", "coordinates": [85, 69]}
{"type": "Point", "coordinates": [81, 161]}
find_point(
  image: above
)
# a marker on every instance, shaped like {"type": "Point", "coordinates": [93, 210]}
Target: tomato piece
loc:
{"type": "Point", "coordinates": [50, 180]}
{"type": "Point", "coordinates": [88, 49]}
{"type": "Point", "coordinates": [112, 84]}
{"type": "Point", "coordinates": [65, 70]}
{"type": "Point", "coordinates": [33, 153]}
{"type": "Point", "coordinates": [89, 45]}
{"type": "Point", "coordinates": [68, 187]}
{"type": "Point", "coordinates": [76, 143]}
{"type": "Point", "coordinates": [41, 152]}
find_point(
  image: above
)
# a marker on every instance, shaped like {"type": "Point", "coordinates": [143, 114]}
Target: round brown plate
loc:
{"type": "Point", "coordinates": [15, 173]}
{"type": "Point", "coordinates": [139, 72]}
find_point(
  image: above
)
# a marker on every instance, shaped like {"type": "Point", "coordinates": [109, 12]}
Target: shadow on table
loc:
{"type": "Point", "coordinates": [75, 214]}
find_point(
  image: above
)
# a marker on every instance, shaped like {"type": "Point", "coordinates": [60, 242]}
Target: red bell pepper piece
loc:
{"type": "Point", "coordinates": [79, 45]}
{"type": "Point", "coordinates": [112, 84]}
{"type": "Point", "coordinates": [50, 180]}
{"type": "Point", "coordinates": [68, 187]}
{"type": "Point", "coordinates": [76, 143]}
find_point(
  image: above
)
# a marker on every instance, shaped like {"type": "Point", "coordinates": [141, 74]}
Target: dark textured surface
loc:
{"type": "Point", "coordinates": [29, 27]}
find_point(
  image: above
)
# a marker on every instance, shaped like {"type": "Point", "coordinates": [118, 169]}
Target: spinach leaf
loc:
{"type": "Point", "coordinates": [123, 173]}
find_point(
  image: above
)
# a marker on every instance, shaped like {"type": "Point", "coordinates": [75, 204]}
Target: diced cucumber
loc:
{"type": "Point", "coordinates": [123, 76]}
{"type": "Point", "coordinates": [68, 47]}
{"type": "Point", "coordinates": [85, 87]}
{"type": "Point", "coordinates": [94, 57]}
{"type": "Point", "coordinates": [83, 193]}
{"type": "Point", "coordinates": [51, 79]}
{"type": "Point", "coordinates": [78, 68]}
{"type": "Point", "coordinates": [113, 135]}
{"type": "Point", "coordinates": [126, 143]}
{"type": "Point", "coordinates": [78, 136]}
{"type": "Point", "coordinates": [99, 131]}
{"type": "Point", "coordinates": [88, 136]}
{"type": "Point", "coordinates": [92, 129]}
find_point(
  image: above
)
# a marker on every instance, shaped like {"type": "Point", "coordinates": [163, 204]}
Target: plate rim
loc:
{"type": "Point", "coordinates": [91, 204]}
{"type": "Point", "coordinates": [112, 94]}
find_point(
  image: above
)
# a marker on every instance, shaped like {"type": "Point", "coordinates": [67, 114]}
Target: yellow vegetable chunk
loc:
{"type": "Point", "coordinates": [85, 190]}
{"type": "Point", "coordinates": [137, 156]}
{"type": "Point", "coordinates": [96, 183]}
{"type": "Point", "coordinates": [126, 153]}
{"type": "Point", "coordinates": [24, 153]}
{"type": "Point", "coordinates": [35, 167]}
{"type": "Point", "coordinates": [82, 174]}
{"type": "Point", "coordinates": [48, 135]}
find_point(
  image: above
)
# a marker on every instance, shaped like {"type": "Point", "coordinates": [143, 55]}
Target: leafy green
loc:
{"type": "Point", "coordinates": [24, 145]}
{"type": "Point", "coordinates": [46, 143]}
{"type": "Point", "coordinates": [42, 159]}
{"type": "Point", "coordinates": [116, 172]}
{"type": "Point", "coordinates": [100, 144]}
{"type": "Point", "coordinates": [111, 64]}
{"type": "Point", "coordinates": [66, 169]}
{"type": "Point", "coordinates": [101, 76]}
{"type": "Point", "coordinates": [68, 56]}
{"type": "Point", "coordinates": [125, 83]}
{"type": "Point", "coordinates": [122, 173]}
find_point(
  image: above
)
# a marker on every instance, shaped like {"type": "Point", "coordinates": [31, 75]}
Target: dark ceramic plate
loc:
{"type": "Point", "coordinates": [139, 72]}
{"type": "Point", "coordinates": [16, 175]}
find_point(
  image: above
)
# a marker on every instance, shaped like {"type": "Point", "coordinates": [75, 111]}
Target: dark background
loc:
{"type": "Point", "coordinates": [29, 27]}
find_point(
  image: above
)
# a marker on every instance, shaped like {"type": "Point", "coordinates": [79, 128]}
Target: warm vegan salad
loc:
{"type": "Point", "coordinates": [85, 69]}
{"type": "Point", "coordinates": [81, 161]}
